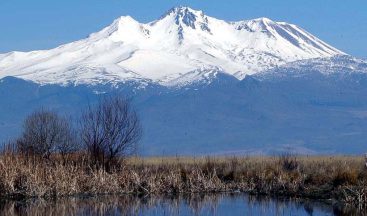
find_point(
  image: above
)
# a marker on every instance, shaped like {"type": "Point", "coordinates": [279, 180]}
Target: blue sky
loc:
{"type": "Point", "coordinates": [42, 24]}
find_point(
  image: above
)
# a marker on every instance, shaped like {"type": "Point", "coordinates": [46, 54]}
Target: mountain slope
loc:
{"type": "Point", "coordinates": [300, 107]}
{"type": "Point", "coordinates": [201, 85]}
{"type": "Point", "coordinates": [181, 47]}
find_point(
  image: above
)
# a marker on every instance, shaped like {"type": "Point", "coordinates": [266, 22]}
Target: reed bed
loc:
{"type": "Point", "coordinates": [338, 178]}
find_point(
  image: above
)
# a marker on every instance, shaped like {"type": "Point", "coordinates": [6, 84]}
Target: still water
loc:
{"type": "Point", "coordinates": [193, 204]}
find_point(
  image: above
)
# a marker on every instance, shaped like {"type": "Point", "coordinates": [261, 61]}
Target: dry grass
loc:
{"type": "Point", "coordinates": [324, 177]}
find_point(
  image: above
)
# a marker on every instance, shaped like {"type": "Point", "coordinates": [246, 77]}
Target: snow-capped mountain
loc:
{"type": "Point", "coordinates": [201, 85]}
{"type": "Point", "coordinates": [182, 47]}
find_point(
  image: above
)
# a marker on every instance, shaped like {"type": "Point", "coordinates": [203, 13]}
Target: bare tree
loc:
{"type": "Point", "coordinates": [111, 129]}
{"type": "Point", "coordinates": [45, 132]}
{"type": "Point", "coordinates": [68, 142]}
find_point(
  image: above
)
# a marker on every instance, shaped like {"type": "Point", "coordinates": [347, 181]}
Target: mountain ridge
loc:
{"type": "Point", "coordinates": [169, 50]}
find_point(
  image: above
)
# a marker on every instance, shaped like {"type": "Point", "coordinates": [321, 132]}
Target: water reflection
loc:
{"type": "Point", "coordinates": [191, 204]}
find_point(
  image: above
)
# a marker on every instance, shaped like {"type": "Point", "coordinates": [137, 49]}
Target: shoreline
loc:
{"type": "Point", "coordinates": [334, 179]}
{"type": "Point", "coordinates": [195, 203]}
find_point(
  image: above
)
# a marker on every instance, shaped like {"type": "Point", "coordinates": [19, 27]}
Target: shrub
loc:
{"type": "Point", "coordinates": [45, 132]}
{"type": "Point", "coordinates": [289, 162]}
{"type": "Point", "coordinates": [109, 130]}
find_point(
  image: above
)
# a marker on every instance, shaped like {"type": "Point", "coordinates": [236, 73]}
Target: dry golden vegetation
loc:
{"type": "Point", "coordinates": [337, 178]}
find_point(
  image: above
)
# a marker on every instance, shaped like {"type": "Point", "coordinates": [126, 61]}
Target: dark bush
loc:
{"type": "Point", "coordinates": [109, 130]}
{"type": "Point", "coordinates": [44, 133]}
{"type": "Point", "coordinates": [288, 162]}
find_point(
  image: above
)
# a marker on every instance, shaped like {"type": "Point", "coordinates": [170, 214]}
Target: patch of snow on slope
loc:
{"type": "Point", "coordinates": [336, 65]}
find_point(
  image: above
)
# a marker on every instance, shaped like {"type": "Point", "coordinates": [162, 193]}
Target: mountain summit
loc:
{"type": "Point", "coordinates": [201, 85]}
{"type": "Point", "coordinates": [181, 47]}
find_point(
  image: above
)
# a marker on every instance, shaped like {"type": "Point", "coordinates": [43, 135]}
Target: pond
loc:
{"type": "Point", "coordinates": [191, 204]}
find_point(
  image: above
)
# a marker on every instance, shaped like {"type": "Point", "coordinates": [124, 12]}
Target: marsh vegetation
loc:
{"type": "Point", "coordinates": [340, 179]}
{"type": "Point", "coordinates": [53, 158]}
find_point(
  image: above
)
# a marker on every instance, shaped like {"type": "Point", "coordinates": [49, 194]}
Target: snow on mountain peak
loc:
{"type": "Point", "coordinates": [186, 16]}
{"type": "Point", "coordinates": [184, 13]}
{"type": "Point", "coordinates": [182, 42]}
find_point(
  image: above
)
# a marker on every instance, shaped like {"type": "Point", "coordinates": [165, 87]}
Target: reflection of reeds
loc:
{"type": "Point", "coordinates": [341, 178]}
{"type": "Point", "coordinates": [193, 204]}
{"type": "Point", "coordinates": [109, 205]}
